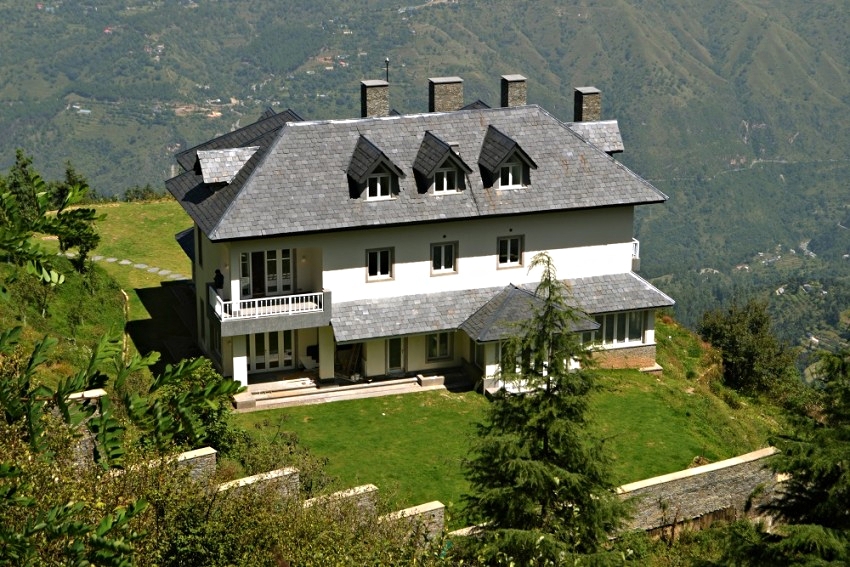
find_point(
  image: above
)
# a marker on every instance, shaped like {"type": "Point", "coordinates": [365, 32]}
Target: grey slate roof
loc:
{"type": "Point", "coordinates": [298, 182]}
{"type": "Point", "coordinates": [604, 134]}
{"type": "Point", "coordinates": [471, 310]}
{"type": "Point", "coordinates": [477, 105]}
{"type": "Point", "coordinates": [500, 317]}
{"type": "Point", "coordinates": [186, 240]}
{"type": "Point", "coordinates": [269, 122]}
{"type": "Point", "coordinates": [221, 166]}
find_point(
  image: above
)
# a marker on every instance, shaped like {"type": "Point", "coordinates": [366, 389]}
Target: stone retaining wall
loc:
{"type": "Point", "coordinates": [727, 489]}
{"type": "Point", "coordinates": [428, 519]}
{"type": "Point", "coordinates": [287, 479]}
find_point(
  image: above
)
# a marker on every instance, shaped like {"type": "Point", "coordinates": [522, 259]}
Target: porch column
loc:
{"type": "Point", "coordinates": [326, 352]}
{"type": "Point", "coordinates": [240, 360]}
{"type": "Point", "coordinates": [233, 275]}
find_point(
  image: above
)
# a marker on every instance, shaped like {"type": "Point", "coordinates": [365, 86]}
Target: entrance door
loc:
{"type": "Point", "coordinates": [395, 356]}
{"type": "Point", "coordinates": [270, 351]}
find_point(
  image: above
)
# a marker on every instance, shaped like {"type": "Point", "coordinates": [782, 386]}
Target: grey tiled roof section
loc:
{"type": "Point", "coordinates": [495, 149]}
{"type": "Point", "coordinates": [446, 311]}
{"type": "Point", "coordinates": [186, 240]}
{"type": "Point", "coordinates": [300, 183]}
{"type": "Point", "coordinates": [616, 292]}
{"type": "Point", "coordinates": [221, 166]}
{"type": "Point", "coordinates": [432, 153]}
{"type": "Point", "coordinates": [604, 134]}
{"type": "Point", "coordinates": [268, 122]}
{"type": "Point", "coordinates": [406, 315]}
{"type": "Point", "coordinates": [365, 158]}
{"type": "Point", "coordinates": [501, 317]}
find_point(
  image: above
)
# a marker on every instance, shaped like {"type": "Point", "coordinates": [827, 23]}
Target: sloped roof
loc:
{"type": "Point", "coordinates": [502, 316]}
{"type": "Point", "coordinates": [298, 183]}
{"type": "Point", "coordinates": [269, 121]}
{"type": "Point", "coordinates": [604, 134]}
{"type": "Point", "coordinates": [485, 312]}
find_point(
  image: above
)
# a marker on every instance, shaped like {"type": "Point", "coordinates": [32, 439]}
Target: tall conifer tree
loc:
{"type": "Point", "coordinates": [541, 486]}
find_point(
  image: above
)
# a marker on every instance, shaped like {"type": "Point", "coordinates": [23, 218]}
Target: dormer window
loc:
{"type": "Point", "coordinates": [447, 180]}
{"type": "Point", "coordinates": [503, 162]}
{"type": "Point", "coordinates": [438, 164]}
{"type": "Point", "coordinates": [379, 186]}
{"type": "Point", "coordinates": [511, 175]}
{"type": "Point", "coordinates": [371, 173]}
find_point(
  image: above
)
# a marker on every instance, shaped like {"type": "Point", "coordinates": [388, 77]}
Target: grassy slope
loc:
{"type": "Point", "coordinates": [412, 446]}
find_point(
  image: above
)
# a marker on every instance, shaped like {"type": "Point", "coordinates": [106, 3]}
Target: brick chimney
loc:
{"type": "Point", "coordinates": [514, 90]}
{"type": "Point", "coordinates": [374, 98]}
{"type": "Point", "coordinates": [445, 94]}
{"type": "Point", "coordinates": [587, 105]}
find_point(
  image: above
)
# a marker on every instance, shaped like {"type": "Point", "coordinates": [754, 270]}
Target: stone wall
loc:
{"type": "Point", "coordinates": [723, 489]}
{"type": "Point", "coordinates": [200, 462]}
{"type": "Point", "coordinates": [426, 519]}
{"type": "Point", "coordinates": [286, 479]}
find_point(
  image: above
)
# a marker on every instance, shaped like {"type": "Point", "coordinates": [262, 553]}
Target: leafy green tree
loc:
{"type": "Point", "coordinates": [812, 503]}
{"type": "Point", "coordinates": [541, 487]}
{"type": "Point", "coordinates": [754, 361]}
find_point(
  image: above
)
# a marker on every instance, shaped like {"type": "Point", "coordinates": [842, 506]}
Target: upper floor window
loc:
{"type": "Point", "coordinates": [379, 264]}
{"type": "Point", "coordinates": [510, 251]}
{"type": "Point", "coordinates": [512, 175]}
{"type": "Point", "coordinates": [444, 258]}
{"type": "Point", "coordinates": [379, 186]}
{"type": "Point", "coordinates": [447, 180]}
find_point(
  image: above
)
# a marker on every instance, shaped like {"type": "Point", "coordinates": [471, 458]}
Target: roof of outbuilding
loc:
{"type": "Point", "coordinates": [297, 182]}
{"type": "Point", "coordinates": [485, 312]}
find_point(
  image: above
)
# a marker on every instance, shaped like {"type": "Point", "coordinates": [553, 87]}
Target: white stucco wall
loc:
{"type": "Point", "coordinates": [582, 243]}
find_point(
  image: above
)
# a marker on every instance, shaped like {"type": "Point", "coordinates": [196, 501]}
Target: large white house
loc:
{"type": "Point", "coordinates": [399, 244]}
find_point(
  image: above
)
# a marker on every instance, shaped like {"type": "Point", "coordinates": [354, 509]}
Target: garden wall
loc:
{"type": "Point", "coordinates": [726, 489]}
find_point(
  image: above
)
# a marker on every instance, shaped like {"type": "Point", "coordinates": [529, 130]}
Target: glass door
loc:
{"type": "Point", "coordinates": [395, 356]}
{"type": "Point", "coordinates": [270, 351]}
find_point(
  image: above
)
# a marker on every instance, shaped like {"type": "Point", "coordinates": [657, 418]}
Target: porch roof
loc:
{"type": "Point", "coordinates": [447, 311]}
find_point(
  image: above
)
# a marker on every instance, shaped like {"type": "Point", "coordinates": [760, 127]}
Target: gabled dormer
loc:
{"type": "Point", "coordinates": [439, 167]}
{"type": "Point", "coordinates": [371, 174]}
{"type": "Point", "coordinates": [503, 162]}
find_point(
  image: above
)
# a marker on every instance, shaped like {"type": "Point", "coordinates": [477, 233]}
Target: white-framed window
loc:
{"type": "Point", "coordinates": [444, 258]}
{"type": "Point", "coordinates": [379, 264]}
{"type": "Point", "coordinates": [617, 329]}
{"type": "Point", "coordinates": [512, 175]}
{"type": "Point", "coordinates": [447, 180]}
{"type": "Point", "coordinates": [379, 186]}
{"type": "Point", "coordinates": [439, 346]}
{"type": "Point", "coordinates": [510, 251]}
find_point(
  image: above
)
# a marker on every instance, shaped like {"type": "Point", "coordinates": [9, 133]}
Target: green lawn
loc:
{"type": "Point", "coordinates": [411, 446]}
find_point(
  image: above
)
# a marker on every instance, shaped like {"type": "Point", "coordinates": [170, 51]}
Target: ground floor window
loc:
{"type": "Point", "coordinates": [438, 346]}
{"type": "Point", "coordinates": [617, 328]}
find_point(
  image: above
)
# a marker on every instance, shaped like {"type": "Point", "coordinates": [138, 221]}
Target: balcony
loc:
{"type": "Point", "coordinates": [265, 314]}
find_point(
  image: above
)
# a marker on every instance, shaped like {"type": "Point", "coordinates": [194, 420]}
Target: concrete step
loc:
{"type": "Point", "coordinates": [324, 396]}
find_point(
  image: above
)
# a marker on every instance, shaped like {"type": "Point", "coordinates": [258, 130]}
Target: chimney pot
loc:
{"type": "Point", "coordinates": [445, 94]}
{"type": "Point", "coordinates": [587, 105]}
{"type": "Point", "coordinates": [374, 98]}
{"type": "Point", "coordinates": [514, 90]}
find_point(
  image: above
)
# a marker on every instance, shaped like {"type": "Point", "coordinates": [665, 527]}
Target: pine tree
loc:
{"type": "Point", "coordinates": [541, 487]}
{"type": "Point", "coordinates": [813, 503]}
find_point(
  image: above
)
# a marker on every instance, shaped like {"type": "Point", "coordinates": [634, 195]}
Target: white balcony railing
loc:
{"type": "Point", "coordinates": [266, 306]}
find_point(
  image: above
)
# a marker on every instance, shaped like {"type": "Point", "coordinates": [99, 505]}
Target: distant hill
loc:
{"type": "Point", "coordinates": [737, 110]}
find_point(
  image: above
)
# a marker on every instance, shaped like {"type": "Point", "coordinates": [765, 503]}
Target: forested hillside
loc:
{"type": "Point", "coordinates": [737, 110]}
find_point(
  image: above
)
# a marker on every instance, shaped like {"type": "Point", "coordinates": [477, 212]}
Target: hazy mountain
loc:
{"type": "Point", "coordinates": [736, 109]}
